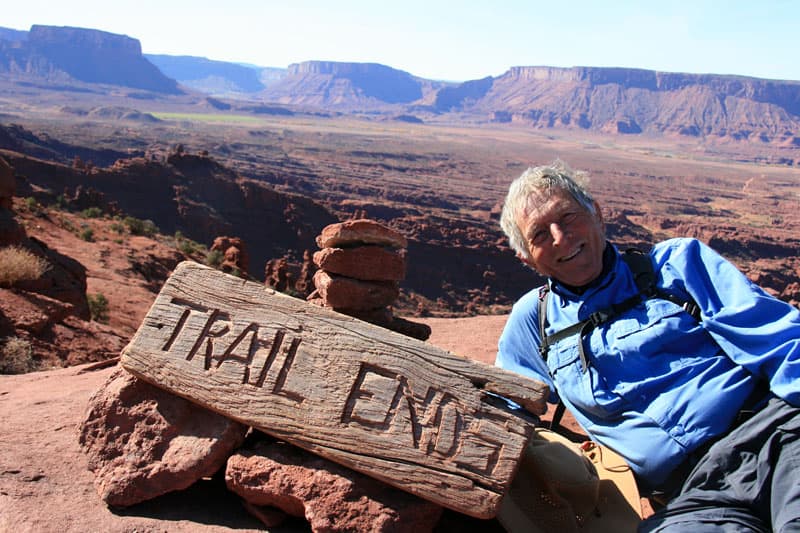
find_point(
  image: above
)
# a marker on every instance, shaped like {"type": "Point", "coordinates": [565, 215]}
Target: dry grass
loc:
{"type": "Point", "coordinates": [16, 356]}
{"type": "Point", "coordinates": [18, 264]}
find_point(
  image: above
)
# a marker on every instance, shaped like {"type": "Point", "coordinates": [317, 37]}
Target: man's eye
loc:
{"type": "Point", "coordinates": [569, 218]}
{"type": "Point", "coordinates": [539, 237]}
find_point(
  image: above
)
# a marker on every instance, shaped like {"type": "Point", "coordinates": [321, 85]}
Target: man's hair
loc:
{"type": "Point", "coordinates": [545, 181]}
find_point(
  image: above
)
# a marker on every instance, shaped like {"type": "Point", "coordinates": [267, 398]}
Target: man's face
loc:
{"type": "Point", "coordinates": [565, 240]}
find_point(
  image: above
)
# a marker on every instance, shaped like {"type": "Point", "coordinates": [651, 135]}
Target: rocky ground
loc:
{"type": "Point", "coordinates": [45, 484]}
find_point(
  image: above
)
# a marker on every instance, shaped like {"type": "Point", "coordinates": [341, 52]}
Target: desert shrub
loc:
{"type": "Point", "coordinates": [98, 307]}
{"type": "Point", "coordinates": [140, 227]}
{"type": "Point", "coordinates": [118, 227]}
{"type": "Point", "coordinates": [214, 258]}
{"type": "Point", "coordinates": [61, 202]}
{"type": "Point", "coordinates": [31, 204]}
{"type": "Point", "coordinates": [87, 234]}
{"type": "Point", "coordinates": [187, 246]}
{"type": "Point", "coordinates": [17, 264]}
{"type": "Point", "coordinates": [92, 212]}
{"type": "Point", "coordinates": [16, 356]}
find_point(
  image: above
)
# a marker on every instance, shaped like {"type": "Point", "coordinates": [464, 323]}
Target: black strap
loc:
{"type": "Point", "coordinates": [555, 422]}
{"type": "Point", "coordinates": [641, 267]}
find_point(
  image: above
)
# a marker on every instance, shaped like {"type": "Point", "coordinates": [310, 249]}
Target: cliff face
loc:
{"type": "Point", "coordinates": [205, 75]}
{"type": "Point", "coordinates": [347, 85]}
{"type": "Point", "coordinates": [621, 100]}
{"type": "Point", "coordinates": [89, 56]}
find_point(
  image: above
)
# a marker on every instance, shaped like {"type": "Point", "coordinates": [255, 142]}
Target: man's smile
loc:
{"type": "Point", "coordinates": [571, 256]}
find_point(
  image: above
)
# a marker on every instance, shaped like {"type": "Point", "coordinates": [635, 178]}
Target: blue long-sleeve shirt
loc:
{"type": "Point", "coordinates": [659, 383]}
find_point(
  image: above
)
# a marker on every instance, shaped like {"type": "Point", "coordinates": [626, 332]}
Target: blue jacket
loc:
{"type": "Point", "coordinates": [659, 384]}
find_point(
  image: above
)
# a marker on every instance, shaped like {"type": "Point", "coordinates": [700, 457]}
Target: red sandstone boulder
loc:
{"type": "Point", "coordinates": [31, 312]}
{"type": "Point", "coordinates": [363, 262]}
{"type": "Point", "coordinates": [143, 442]}
{"type": "Point", "coordinates": [340, 292]}
{"type": "Point", "coordinates": [358, 232]}
{"type": "Point", "coordinates": [331, 497]}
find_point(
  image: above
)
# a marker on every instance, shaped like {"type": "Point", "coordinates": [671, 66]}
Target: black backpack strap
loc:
{"type": "Point", "coordinates": [643, 271]}
{"type": "Point", "coordinates": [641, 266]}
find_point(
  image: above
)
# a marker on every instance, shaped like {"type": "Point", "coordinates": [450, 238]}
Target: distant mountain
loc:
{"type": "Point", "coordinates": [61, 54]}
{"type": "Point", "coordinates": [631, 101]}
{"type": "Point", "coordinates": [9, 34]}
{"type": "Point", "coordinates": [217, 78]}
{"type": "Point", "coordinates": [349, 86]}
{"type": "Point", "coordinates": [612, 100]}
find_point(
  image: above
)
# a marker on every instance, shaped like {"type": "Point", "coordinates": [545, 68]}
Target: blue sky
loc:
{"type": "Point", "coordinates": [452, 39]}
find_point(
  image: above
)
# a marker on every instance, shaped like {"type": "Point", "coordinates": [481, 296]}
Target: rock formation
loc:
{"type": "Point", "coordinates": [335, 84]}
{"type": "Point", "coordinates": [235, 259]}
{"type": "Point", "coordinates": [91, 56]}
{"type": "Point", "coordinates": [361, 263]}
{"type": "Point", "coordinates": [143, 442]}
{"type": "Point", "coordinates": [278, 276]}
{"type": "Point", "coordinates": [331, 497]}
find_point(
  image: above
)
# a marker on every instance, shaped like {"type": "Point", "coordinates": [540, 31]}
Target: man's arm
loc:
{"type": "Point", "coordinates": [518, 348]}
{"type": "Point", "coordinates": [755, 329]}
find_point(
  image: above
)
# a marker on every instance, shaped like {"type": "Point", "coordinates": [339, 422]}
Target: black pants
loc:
{"type": "Point", "coordinates": [747, 481]}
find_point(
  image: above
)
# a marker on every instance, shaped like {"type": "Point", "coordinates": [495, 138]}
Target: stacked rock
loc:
{"type": "Point", "coordinates": [361, 264]}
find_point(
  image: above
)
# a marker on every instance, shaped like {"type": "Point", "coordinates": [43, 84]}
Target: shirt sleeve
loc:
{"type": "Point", "coordinates": [518, 348]}
{"type": "Point", "coordinates": [756, 330]}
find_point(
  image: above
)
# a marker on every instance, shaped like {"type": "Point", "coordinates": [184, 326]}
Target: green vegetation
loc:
{"type": "Point", "coordinates": [92, 212]}
{"type": "Point", "coordinates": [214, 258]}
{"type": "Point", "coordinates": [98, 307]}
{"type": "Point", "coordinates": [31, 203]}
{"type": "Point", "coordinates": [61, 202]}
{"type": "Point", "coordinates": [18, 264]}
{"type": "Point", "coordinates": [87, 234]}
{"type": "Point", "coordinates": [208, 118]}
{"type": "Point", "coordinates": [187, 246]}
{"type": "Point", "coordinates": [140, 227]}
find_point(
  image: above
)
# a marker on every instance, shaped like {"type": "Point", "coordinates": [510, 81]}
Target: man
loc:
{"type": "Point", "coordinates": [704, 409]}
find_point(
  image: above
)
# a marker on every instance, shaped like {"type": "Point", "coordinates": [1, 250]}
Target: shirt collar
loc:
{"type": "Point", "coordinates": [610, 258]}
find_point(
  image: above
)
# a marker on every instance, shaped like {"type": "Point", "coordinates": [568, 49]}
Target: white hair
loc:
{"type": "Point", "coordinates": [544, 181]}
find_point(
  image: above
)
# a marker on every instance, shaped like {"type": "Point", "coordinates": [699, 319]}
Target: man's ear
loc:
{"type": "Point", "coordinates": [525, 260]}
{"type": "Point", "coordinates": [598, 212]}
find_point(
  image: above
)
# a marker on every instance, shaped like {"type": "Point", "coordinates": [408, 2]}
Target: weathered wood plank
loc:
{"type": "Point", "coordinates": [395, 408]}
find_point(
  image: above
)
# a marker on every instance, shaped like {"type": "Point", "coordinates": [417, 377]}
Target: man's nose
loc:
{"type": "Point", "coordinates": [557, 233]}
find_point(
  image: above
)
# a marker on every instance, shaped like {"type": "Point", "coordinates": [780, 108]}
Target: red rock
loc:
{"type": "Point", "coordinates": [143, 442]}
{"type": "Point", "coordinates": [340, 292]}
{"type": "Point", "coordinates": [235, 254]}
{"type": "Point", "coordinates": [363, 262]}
{"type": "Point", "coordinates": [358, 232]}
{"type": "Point", "coordinates": [277, 275]}
{"type": "Point", "coordinates": [305, 281]}
{"type": "Point", "coordinates": [331, 497]}
{"type": "Point", "coordinates": [33, 312]}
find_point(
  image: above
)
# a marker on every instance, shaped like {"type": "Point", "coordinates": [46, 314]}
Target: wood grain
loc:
{"type": "Point", "coordinates": [395, 408]}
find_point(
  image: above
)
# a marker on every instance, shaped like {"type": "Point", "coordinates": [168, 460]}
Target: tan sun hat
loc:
{"type": "Point", "coordinates": [564, 486]}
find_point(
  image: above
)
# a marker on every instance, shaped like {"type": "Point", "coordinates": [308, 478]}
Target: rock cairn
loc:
{"type": "Point", "coordinates": [361, 263]}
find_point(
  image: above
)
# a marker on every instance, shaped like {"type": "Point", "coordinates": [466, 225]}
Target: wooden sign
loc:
{"type": "Point", "coordinates": [392, 407]}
